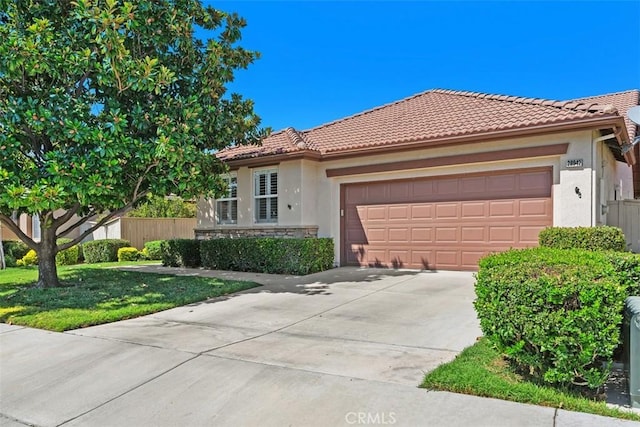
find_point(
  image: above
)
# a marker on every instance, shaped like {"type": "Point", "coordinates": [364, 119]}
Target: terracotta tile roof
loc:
{"type": "Point", "coordinates": [622, 101]}
{"type": "Point", "coordinates": [282, 142]}
{"type": "Point", "coordinates": [433, 115]}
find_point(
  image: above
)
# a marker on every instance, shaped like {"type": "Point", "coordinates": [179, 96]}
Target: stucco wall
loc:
{"type": "Point", "coordinates": [307, 197]}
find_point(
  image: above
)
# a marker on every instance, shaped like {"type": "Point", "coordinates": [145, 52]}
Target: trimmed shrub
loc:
{"type": "Point", "coordinates": [627, 268]}
{"type": "Point", "coordinates": [31, 258]}
{"type": "Point", "coordinates": [128, 254]}
{"type": "Point", "coordinates": [10, 261]}
{"type": "Point", "coordinates": [105, 250]}
{"type": "Point", "coordinates": [68, 256]}
{"type": "Point", "coordinates": [268, 255]}
{"type": "Point", "coordinates": [16, 248]}
{"type": "Point", "coordinates": [153, 250]}
{"type": "Point", "coordinates": [181, 253]}
{"type": "Point", "coordinates": [555, 313]}
{"type": "Point", "coordinates": [588, 238]}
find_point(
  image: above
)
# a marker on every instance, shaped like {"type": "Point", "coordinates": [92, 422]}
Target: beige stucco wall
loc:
{"type": "Point", "coordinates": [308, 197]}
{"type": "Point", "coordinates": [296, 197]}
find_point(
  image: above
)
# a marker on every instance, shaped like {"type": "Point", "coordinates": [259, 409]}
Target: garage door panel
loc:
{"type": "Point", "coordinates": [529, 234]}
{"type": "Point", "coordinates": [474, 185]}
{"type": "Point", "coordinates": [534, 207]}
{"type": "Point", "coordinates": [421, 234]}
{"type": "Point", "coordinates": [447, 186]}
{"type": "Point", "coordinates": [445, 222]}
{"type": "Point", "coordinates": [376, 213]}
{"type": "Point", "coordinates": [473, 209]}
{"type": "Point", "coordinates": [469, 259]}
{"type": "Point", "coordinates": [377, 258]}
{"type": "Point", "coordinates": [354, 215]}
{"type": "Point", "coordinates": [422, 190]}
{"type": "Point", "coordinates": [400, 212]}
{"type": "Point", "coordinates": [356, 194]}
{"type": "Point", "coordinates": [400, 258]}
{"type": "Point", "coordinates": [423, 211]}
{"type": "Point", "coordinates": [447, 258]}
{"type": "Point", "coordinates": [447, 210]}
{"type": "Point", "coordinates": [539, 182]}
{"type": "Point", "coordinates": [502, 184]}
{"type": "Point", "coordinates": [400, 235]}
{"type": "Point", "coordinates": [447, 234]}
{"type": "Point", "coordinates": [376, 235]}
{"type": "Point", "coordinates": [356, 235]}
{"type": "Point", "coordinates": [473, 234]}
{"type": "Point", "coordinates": [502, 208]}
{"type": "Point", "coordinates": [503, 234]}
{"type": "Point", "coordinates": [424, 259]}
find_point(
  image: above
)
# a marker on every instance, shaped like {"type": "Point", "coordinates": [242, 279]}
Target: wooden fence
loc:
{"type": "Point", "coordinates": [626, 215]}
{"type": "Point", "coordinates": [141, 230]}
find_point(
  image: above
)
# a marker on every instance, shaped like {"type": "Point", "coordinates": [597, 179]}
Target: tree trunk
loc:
{"type": "Point", "coordinates": [47, 269]}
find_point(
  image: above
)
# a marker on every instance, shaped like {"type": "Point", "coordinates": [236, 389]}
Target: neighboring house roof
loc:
{"type": "Point", "coordinates": [435, 116]}
{"type": "Point", "coordinates": [622, 101]}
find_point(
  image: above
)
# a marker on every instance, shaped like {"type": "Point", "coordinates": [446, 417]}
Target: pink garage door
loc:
{"type": "Point", "coordinates": [445, 222]}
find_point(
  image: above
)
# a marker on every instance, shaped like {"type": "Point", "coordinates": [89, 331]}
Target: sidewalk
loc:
{"type": "Point", "coordinates": [324, 350]}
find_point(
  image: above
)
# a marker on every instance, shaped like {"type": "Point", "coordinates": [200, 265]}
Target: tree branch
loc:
{"type": "Point", "coordinates": [76, 224]}
{"type": "Point", "coordinates": [139, 183]}
{"type": "Point", "coordinates": [8, 222]}
{"type": "Point", "coordinates": [62, 219]}
{"type": "Point", "coordinates": [97, 225]}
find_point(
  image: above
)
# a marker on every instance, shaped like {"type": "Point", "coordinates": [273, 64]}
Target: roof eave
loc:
{"type": "Point", "coordinates": [583, 124]}
{"type": "Point", "coordinates": [271, 159]}
{"type": "Point", "coordinates": [614, 122]}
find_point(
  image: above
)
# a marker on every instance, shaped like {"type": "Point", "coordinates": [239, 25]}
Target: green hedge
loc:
{"type": "Point", "coordinates": [588, 238]}
{"type": "Point", "coordinates": [128, 254]}
{"type": "Point", "coordinates": [68, 256]}
{"type": "Point", "coordinates": [268, 255]}
{"type": "Point", "coordinates": [555, 313]}
{"type": "Point", "coordinates": [13, 251]}
{"type": "Point", "coordinates": [181, 253]}
{"type": "Point", "coordinates": [153, 250]}
{"type": "Point", "coordinates": [105, 250]}
{"type": "Point", "coordinates": [627, 268]}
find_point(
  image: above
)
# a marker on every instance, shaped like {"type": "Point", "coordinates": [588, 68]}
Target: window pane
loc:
{"type": "Point", "coordinates": [234, 210]}
{"type": "Point", "coordinates": [262, 185]}
{"type": "Point", "coordinates": [274, 208]}
{"type": "Point", "coordinates": [261, 209]}
{"type": "Point", "coordinates": [223, 211]}
{"type": "Point", "coordinates": [274, 183]}
{"type": "Point", "coordinates": [233, 187]}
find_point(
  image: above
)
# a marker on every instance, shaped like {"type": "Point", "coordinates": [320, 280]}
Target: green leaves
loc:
{"type": "Point", "coordinates": [103, 101]}
{"type": "Point", "coordinates": [555, 313]}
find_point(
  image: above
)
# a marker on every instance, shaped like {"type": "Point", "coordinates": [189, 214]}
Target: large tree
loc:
{"type": "Point", "coordinates": [105, 101]}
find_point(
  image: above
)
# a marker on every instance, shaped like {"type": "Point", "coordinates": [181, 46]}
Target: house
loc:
{"type": "Point", "coordinates": [30, 226]}
{"type": "Point", "coordinates": [436, 180]}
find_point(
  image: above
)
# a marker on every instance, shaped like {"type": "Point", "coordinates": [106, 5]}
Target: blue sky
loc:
{"type": "Point", "coordinates": [324, 60]}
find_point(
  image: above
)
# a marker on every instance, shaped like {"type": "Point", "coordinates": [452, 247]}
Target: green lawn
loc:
{"type": "Point", "coordinates": [479, 370]}
{"type": "Point", "coordinates": [93, 294]}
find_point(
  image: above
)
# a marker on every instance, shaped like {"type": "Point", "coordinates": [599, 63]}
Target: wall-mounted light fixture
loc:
{"type": "Point", "coordinates": [578, 193]}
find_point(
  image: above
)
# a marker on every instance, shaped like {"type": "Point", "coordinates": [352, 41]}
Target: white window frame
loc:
{"type": "Point", "coordinates": [270, 218]}
{"type": "Point", "coordinates": [231, 200]}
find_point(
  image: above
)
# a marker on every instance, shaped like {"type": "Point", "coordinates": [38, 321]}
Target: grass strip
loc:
{"type": "Point", "coordinates": [481, 371]}
{"type": "Point", "coordinates": [93, 294]}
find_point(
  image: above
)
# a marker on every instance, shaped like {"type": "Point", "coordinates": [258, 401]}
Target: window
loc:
{"type": "Point", "coordinates": [227, 207]}
{"type": "Point", "coordinates": [266, 195]}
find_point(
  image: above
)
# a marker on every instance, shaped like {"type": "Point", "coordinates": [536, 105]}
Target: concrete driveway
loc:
{"type": "Point", "coordinates": [344, 347]}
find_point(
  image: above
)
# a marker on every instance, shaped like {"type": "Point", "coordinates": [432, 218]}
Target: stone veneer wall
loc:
{"type": "Point", "coordinates": [277, 231]}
